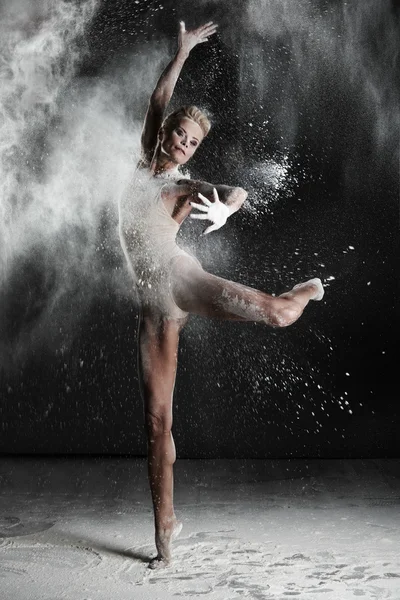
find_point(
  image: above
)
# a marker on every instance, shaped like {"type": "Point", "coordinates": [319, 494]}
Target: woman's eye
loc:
{"type": "Point", "coordinates": [193, 143]}
{"type": "Point", "coordinates": [179, 132]}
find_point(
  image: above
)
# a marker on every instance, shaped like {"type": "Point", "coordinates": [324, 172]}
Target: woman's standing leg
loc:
{"type": "Point", "coordinates": [158, 348]}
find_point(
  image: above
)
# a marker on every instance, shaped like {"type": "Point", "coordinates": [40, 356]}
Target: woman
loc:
{"type": "Point", "coordinates": [170, 282]}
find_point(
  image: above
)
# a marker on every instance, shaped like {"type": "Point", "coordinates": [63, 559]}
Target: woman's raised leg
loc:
{"type": "Point", "coordinates": [158, 347]}
{"type": "Point", "coordinates": [196, 291]}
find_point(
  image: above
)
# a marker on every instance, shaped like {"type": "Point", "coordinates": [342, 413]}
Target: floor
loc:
{"type": "Point", "coordinates": [80, 528]}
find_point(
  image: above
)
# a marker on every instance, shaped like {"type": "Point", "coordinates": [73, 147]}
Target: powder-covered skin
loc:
{"type": "Point", "coordinates": [240, 306]}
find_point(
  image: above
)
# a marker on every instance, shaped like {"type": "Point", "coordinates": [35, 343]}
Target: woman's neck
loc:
{"type": "Point", "coordinates": [162, 164]}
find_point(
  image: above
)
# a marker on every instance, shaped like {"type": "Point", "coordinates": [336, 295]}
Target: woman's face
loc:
{"type": "Point", "coordinates": [182, 141]}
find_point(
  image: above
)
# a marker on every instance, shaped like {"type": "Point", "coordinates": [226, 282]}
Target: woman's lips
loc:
{"type": "Point", "coordinates": [183, 152]}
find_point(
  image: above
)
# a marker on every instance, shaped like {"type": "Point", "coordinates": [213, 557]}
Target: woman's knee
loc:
{"type": "Point", "coordinates": [158, 423]}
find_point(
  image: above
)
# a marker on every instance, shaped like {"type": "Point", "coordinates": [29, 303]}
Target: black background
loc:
{"type": "Point", "coordinates": [243, 390]}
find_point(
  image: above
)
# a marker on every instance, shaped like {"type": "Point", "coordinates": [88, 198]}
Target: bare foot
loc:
{"type": "Point", "coordinates": [164, 538]}
{"type": "Point", "coordinates": [159, 563]}
{"type": "Point", "coordinates": [316, 283]}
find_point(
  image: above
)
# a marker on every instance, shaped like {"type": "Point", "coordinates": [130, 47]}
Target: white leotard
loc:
{"type": "Point", "coordinates": [147, 234]}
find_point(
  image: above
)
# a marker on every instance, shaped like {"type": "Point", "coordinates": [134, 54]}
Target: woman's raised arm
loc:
{"type": "Point", "coordinates": [163, 91]}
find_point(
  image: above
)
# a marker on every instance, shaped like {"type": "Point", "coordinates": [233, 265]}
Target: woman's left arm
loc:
{"type": "Point", "coordinates": [231, 197]}
{"type": "Point", "coordinates": [218, 202]}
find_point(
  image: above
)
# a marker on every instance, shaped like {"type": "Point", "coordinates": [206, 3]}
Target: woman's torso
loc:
{"type": "Point", "coordinates": [149, 221]}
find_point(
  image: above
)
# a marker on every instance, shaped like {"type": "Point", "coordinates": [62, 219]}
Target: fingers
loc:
{"type": "Point", "coordinates": [206, 30]}
{"type": "Point", "coordinates": [182, 26]}
{"type": "Point", "coordinates": [215, 193]}
{"type": "Point", "coordinates": [209, 28]}
{"type": "Point", "coordinates": [199, 206]}
{"type": "Point", "coordinates": [200, 216]}
{"type": "Point", "coordinates": [206, 201]}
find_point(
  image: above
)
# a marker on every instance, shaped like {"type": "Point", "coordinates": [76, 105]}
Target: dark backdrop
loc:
{"type": "Point", "coordinates": [303, 92]}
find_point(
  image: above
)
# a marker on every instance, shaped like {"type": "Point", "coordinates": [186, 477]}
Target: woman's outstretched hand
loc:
{"type": "Point", "coordinates": [215, 211]}
{"type": "Point", "coordinates": [187, 40]}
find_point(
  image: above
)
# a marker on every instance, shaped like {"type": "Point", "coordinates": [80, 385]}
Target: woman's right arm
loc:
{"type": "Point", "coordinates": [164, 89]}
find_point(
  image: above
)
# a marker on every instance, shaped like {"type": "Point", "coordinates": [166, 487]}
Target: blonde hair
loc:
{"type": "Point", "coordinates": [190, 112]}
